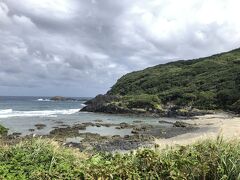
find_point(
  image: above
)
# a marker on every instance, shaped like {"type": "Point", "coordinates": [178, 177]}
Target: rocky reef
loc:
{"type": "Point", "coordinates": [138, 105]}
{"type": "Point", "coordinates": [61, 98]}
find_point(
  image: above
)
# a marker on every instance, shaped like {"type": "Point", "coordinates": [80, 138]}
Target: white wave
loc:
{"type": "Point", "coordinates": [7, 113]}
{"type": "Point", "coordinates": [43, 99]}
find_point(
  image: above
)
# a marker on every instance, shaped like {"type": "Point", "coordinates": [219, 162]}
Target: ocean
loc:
{"type": "Point", "coordinates": [21, 114]}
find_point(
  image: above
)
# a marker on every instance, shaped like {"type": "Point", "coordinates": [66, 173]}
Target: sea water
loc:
{"type": "Point", "coordinates": [20, 114]}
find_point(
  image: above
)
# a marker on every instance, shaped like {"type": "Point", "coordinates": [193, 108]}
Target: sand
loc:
{"type": "Point", "coordinates": [210, 127]}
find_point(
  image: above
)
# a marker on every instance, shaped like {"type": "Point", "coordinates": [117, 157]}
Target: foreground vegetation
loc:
{"type": "Point", "coordinates": [206, 83]}
{"type": "Point", "coordinates": [3, 130]}
{"type": "Point", "coordinates": [44, 159]}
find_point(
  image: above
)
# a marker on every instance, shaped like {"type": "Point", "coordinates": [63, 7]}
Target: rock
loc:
{"type": "Point", "coordinates": [61, 98]}
{"type": "Point", "coordinates": [98, 120]}
{"type": "Point", "coordinates": [16, 134]}
{"type": "Point", "coordinates": [98, 125]}
{"type": "Point", "coordinates": [40, 126]}
{"type": "Point", "coordinates": [116, 136]}
{"type": "Point", "coordinates": [88, 124]}
{"type": "Point", "coordinates": [79, 126]}
{"type": "Point", "coordinates": [165, 122]}
{"type": "Point", "coordinates": [182, 124]}
{"type": "Point", "coordinates": [31, 130]}
{"type": "Point", "coordinates": [124, 125]}
{"type": "Point", "coordinates": [103, 103]}
{"type": "Point", "coordinates": [134, 132]}
{"type": "Point", "coordinates": [137, 121]}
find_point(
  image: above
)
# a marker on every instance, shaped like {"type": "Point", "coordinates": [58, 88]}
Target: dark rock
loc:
{"type": "Point", "coordinates": [137, 121]}
{"type": "Point", "coordinates": [88, 124]}
{"type": "Point", "coordinates": [182, 124]}
{"type": "Point", "coordinates": [40, 126]}
{"type": "Point", "coordinates": [31, 130]}
{"type": "Point", "coordinates": [165, 122]}
{"type": "Point", "coordinates": [98, 125]}
{"type": "Point", "coordinates": [134, 132]}
{"type": "Point", "coordinates": [124, 125]}
{"type": "Point", "coordinates": [68, 131]}
{"type": "Point", "coordinates": [16, 134]}
{"type": "Point", "coordinates": [116, 136]}
{"type": "Point", "coordinates": [103, 103]}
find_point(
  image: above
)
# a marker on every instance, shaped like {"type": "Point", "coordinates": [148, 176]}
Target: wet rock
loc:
{"type": "Point", "coordinates": [98, 120]}
{"type": "Point", "coordinates": [116, 136]}
{"type": "Point", "coordinates": [182, 124]}
{"type": "Point", "coordinates": [65, 132]}
{"type": "Point", "coordinates": [40, 126]}
{"type": "Point", "coordinates": [59, 122]}
{"type": "Point", "coordinates": [165, 122]}
{"type": "Point", "coordinates": [134, 132]}
{"type": "Point", "coordinates": [124, 125]}
{"type": "Point", "coordinates": [137, 121]}
{"type": "Point", "coordinates": [79, 126]}
{"type": "Point", "coordinates": [98, 125]}
{"type": "Point", "coordinates": [88, 124]}
{"type": "Point", "coordinates": [16, 134]}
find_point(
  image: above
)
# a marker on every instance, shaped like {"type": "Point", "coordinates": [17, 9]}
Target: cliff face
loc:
{"type": "Point", "coordinates": [181, 87]}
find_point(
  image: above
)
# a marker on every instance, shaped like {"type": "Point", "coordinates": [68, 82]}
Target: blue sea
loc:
{"type": "Point", "coordinates": [20, 114]}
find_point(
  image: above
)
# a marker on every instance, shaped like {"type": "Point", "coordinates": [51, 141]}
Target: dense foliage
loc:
{"type": "Point", "coordinates": [3, 130]}
{"type": "Point", "coordinates": [206, 83]}
{"type": "Point", "coordinates": [44, 159]}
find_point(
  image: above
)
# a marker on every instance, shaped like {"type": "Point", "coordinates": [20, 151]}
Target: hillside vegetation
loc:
{"type": "Point", "coordinates": [44, 159]}
{"type": "Point", "coordinates": [206, 83]}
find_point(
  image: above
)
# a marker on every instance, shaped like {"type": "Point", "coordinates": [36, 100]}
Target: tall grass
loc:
{"type": "Point", "coordinates": [44, 159]}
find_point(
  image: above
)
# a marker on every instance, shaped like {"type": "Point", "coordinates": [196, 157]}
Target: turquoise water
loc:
{"type": "Point", "coordinates": [20, 114]}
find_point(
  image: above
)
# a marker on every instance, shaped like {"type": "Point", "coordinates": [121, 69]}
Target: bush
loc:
{"type": "Point", "coordinates": [142, 101]}
{"type": "Point", "coordinates": [3, 130]}
{"type": "Point", "coordinates": [43, 159]}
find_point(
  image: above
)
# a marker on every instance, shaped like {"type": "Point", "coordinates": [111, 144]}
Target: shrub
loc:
{"type": "Point", "coordinates": [44, 159]}
{"type": "Point", "coordinates": [3, 130]}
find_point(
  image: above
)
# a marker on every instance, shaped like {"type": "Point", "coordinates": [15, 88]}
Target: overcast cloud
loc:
{"type": "Point", "coordinates": [81, 47]}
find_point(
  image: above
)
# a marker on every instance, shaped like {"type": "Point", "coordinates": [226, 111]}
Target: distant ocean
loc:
{"type": "Point", "coordinates": [37, 106]}
{"type": "Point", "coordinates": [21, 114]}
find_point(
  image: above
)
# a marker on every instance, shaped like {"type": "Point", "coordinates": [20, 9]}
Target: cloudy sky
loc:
{"type": "Point", "coordinates": [81, 47]}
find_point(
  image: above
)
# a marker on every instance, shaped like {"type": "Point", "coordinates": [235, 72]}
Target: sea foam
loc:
{"type": "Point", "coordinates": [43, 99]}
{"type": "Point", "coordinates": [7, 113]}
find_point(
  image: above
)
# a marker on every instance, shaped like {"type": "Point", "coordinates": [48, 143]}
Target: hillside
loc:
{"type": "Point", "coordinates": [206, 83]}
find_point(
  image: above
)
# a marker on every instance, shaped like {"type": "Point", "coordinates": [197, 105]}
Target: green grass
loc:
{"type": "Point", "coordinates": [44, 159]}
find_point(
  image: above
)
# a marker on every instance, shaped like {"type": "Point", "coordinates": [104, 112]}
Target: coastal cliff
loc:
{"type": "Point", "coordinates": [185, 87]}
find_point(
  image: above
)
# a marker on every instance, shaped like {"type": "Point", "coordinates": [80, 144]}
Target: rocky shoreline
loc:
{"type": "Point", "coordinates": [112, 104]}
{"type": "Point", "coordinates": [142, 135]}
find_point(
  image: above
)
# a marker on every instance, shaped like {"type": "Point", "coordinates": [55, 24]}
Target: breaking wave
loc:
{"type": "Point", "coordinates": [6, 113]}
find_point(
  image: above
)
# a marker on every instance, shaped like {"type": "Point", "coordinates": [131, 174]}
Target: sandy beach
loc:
{"type": "Point", "coordinates": [211, 126]}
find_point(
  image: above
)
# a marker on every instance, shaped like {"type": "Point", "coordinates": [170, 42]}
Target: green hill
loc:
{"type": "Point", "coordinates": [205, 83]}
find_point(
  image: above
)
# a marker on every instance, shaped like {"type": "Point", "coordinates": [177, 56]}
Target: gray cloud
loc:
{"type": "Point", "coordinates": [80, 48]}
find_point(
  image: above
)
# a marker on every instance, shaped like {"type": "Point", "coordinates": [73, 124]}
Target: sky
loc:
{"type": "Point", "coordinates": [81, 47]}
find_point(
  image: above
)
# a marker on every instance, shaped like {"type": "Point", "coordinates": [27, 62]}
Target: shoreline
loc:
{"type": "Point", "coordinates": [211, 126]}
{"type": "Point", "coordinates": [189, 131]}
